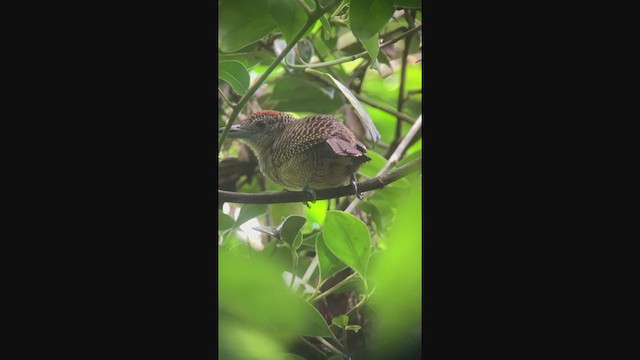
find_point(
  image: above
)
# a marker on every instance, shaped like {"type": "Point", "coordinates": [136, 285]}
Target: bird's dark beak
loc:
{"type": "Point", "coordinates": [236, 132]}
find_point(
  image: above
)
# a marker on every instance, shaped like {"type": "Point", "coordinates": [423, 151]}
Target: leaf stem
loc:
{"type": "Point", "coordinates": [334, 288]}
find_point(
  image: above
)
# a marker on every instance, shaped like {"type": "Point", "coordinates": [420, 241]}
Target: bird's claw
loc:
{"type": "Point", "coordinates": [354, 183]}
{"type": "Point", "coordinates": [311, 193]}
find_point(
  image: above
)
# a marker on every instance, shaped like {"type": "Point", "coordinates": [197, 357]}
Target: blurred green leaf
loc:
{"type": "Point", "coordinates": [252, 290]}
{"type": "Point", "coordinates": [373, 167]}
{"type": "Point", "coordinates": [249, 59]}
{"type": "Point", "coordinates": [290, 228]}
{"type": "Point", "coordinates": [317, 211]}
{"type": "Point", "coordinates": [402, 287]}
{"type": "Point", "coordinates": [371, 44]}
{"type": "Point", "coordinates": [288, 15]}
{"type": "Point", "coordinates": [328, 263]}
{"type": "Point", "coordinates": [235, 74]}
{"type": "Point", "coordinates": [340, 321]}
{"type": "Point", "coordinates": [367, 17]}
{"type": "Point", "coordinates": [249, 211]}
{"type": "Point", "coordinates": [293, 93]}
{"type": "Point", "coordinates": [297, 241]}
{"type": "Point", "coordinates": [410, 157]}
{"type": "Point", "coordinates": [348, 239]}
{"type": "Point", "coordinates": [242, 22]}
{"type": "Point", "coordinates": [224, 221]}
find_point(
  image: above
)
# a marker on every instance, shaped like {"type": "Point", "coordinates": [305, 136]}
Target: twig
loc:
{"type": "Point", "coordinates": [403, 81]}
{"type": "Point", "coordinates": [393, 159]}
{"type": "Point", "coordinates": [333, 348]}
{"type": "Point", "coordinates": [313, 17]}
{"type": "Point", "coordinates": [355, 56]}
{"type": "Point", "coordinates": [321, 194]}
{"type": "Point", "coordinates": [227, 100]}
{"type": "Point", "coordinates": [398, 114]}
{"type": "Point", "coordinates": [305, 7]}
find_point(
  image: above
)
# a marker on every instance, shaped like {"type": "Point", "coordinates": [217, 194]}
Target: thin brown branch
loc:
{"type": "Point", "coordinates": [403, 81]}
{"type": "Point", "coordinates": [321, 194]}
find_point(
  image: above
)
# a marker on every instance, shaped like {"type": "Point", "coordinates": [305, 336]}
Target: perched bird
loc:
{"type": "Point", "coordinates": [315, 152]}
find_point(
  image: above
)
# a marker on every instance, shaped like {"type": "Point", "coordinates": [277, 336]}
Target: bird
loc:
{"type": "Point", "coordinates": [312, 153]}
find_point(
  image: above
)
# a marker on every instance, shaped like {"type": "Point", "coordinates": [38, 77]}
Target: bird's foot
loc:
{"type": "Point", "coordinates": [311, 193]}
{"type": "Point", "coordinates": [354, 183]}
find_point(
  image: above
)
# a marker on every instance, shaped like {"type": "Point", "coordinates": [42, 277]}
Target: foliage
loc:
{"type": "Point", "coordinates": [316, 281]}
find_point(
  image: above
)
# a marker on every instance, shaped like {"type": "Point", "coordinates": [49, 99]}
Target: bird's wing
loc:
{"type": "Point", "coordinates": [313, 130]}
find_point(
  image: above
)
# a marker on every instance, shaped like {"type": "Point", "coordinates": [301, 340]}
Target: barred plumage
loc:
{"type": "Point", "coordinates": [314, 152]}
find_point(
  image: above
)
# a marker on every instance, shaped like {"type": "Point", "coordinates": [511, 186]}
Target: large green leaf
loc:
{"type": "Point", "coordinates": [297, 94]}
{"type": "Point", "coordinates": [348, 239]}
{"type": "Point", "coordinates": [328, 263]}
{"type": "Point", "coordinates": [367, 17]}
{"type": "Point", "coordinates": [242, 22]}
{"type": "Point", "coordinates": [398, 278]}
{"type": "Point", "coordinates": [288, 15]}
{"type": "Point", "coordinates": [290, 228]}
{"type": "Point", "coordinates": [252, 290]}
{"type": "Point", "coordinates": [235, 74]}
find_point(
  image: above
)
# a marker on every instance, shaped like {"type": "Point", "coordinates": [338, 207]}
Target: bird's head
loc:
{"type": "Point", "coordinates": [259, 129]}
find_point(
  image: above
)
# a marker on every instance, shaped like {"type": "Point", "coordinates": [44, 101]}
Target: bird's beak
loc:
{"type": "Point", "coordinates": [236, 132]}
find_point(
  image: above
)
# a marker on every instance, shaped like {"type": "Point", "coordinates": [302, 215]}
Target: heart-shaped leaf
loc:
{"type": "Point", "coordinates": [348, 239]}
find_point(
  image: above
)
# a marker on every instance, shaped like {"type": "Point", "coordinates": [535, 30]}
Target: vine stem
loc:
{"type": "Point", "coordinates": [313, 17]}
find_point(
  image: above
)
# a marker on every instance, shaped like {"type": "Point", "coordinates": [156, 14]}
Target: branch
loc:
{"type": "Point", "coordinates": [321, 194]}
{"type": "Point", "coordinates": [398, 114]}
{"type": "Point", "coordinates": [355, 56]}
{"type": "Point", "coordinates": [313, 17]}
{"type": "Point", "coordinates": [393, 159]}
{"type": "Point", "coordinates": [403, 81]}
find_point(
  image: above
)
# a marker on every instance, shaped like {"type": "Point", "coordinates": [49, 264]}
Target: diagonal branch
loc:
{"type": "Point", "coordinates": [322, 194]}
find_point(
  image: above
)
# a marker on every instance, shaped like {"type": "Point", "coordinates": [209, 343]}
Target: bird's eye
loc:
{"type": "Point", "coordinates": [260, 125]}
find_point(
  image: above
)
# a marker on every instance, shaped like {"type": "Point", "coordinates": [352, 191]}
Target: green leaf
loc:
{"type": "Point", "coordinates": [290, 228]}
{"type": "Point", "coordinates": [249, 211]}
{"type": "Point", "coordinates": [373, 167]}
{"type": "Point", "coordinates": [297, 94]}
{"type": "Point", "coordinates": [252, 290]}
{"type": "Point", "coordinates": [371, 44]}
{"type": "Point", "coordinates": [235, 74]}
{"type": "Point", "coordinates": [372, 132]}
{"type": "Point", "coordinates": [340, 321]}
{"type": "Point", "coordinates": [242, 22]}
{"type": "Point", "coordinates": [348, 239]}
{"type": "Point", "coordinates": [249, 59]}
{"type": "Point", "coordinates": [288, 15]}
{"type": "Point", "coordinates": [367, 17]}
{"type": "Point", "coordinates": [410, 157]}
{"type": "Point", "coordinates": [328, 263]}
{"type": "Point", "coordinates": [224, 221]}
{"type": "Point", "coordinates": [315, 324]}
{"type": "Point", "coordinates": [317, 212]}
